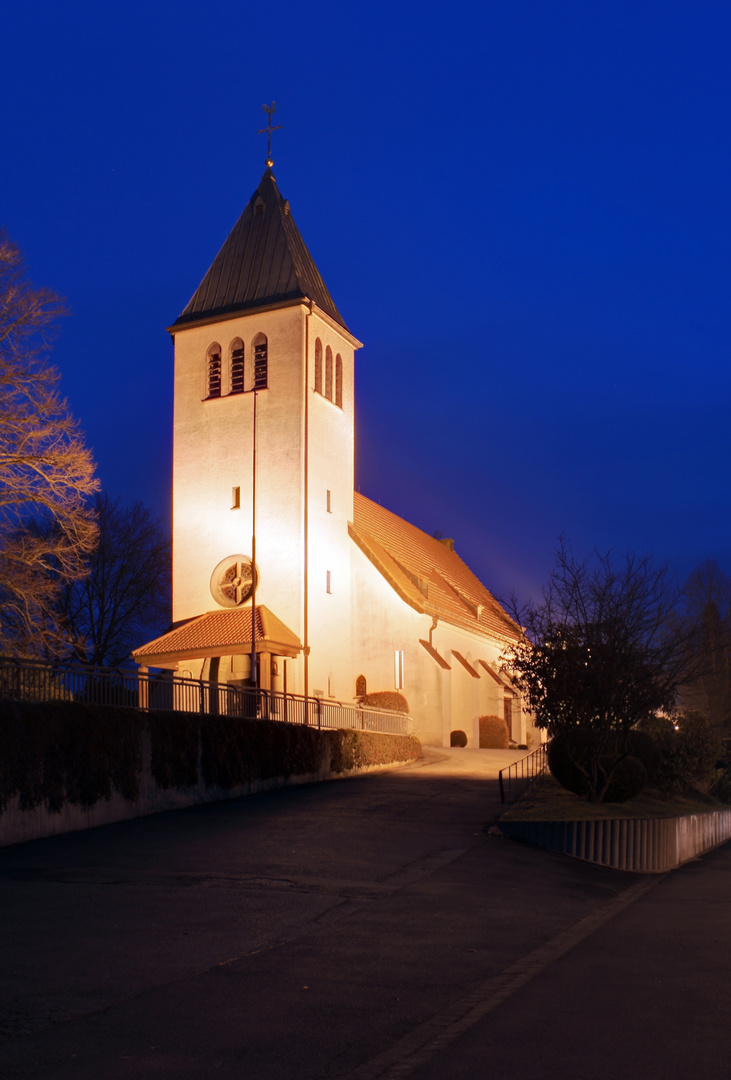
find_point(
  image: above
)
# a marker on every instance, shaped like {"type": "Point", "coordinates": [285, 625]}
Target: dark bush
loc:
{"type": "Point", "coordinates": [457, 738]}
{"type": "Point", "coordinates": [175, 748]}
{"type": "Point", "coordinates": [629, 777]}
{"type": "Point", "coordinates": [494, 734]}
{"type": "Point", "coordinates": [569, 753]}
{"type": "Point", "coordinates": [688, 749]}
{"type": "Point", "coordinates": [559, 753]}
{"type": "Point", "coordinates": [643, 746]}
{"type": "Point", "coordinates": [69, 752]}
{"type": "Point", "coordinates": [59, 752]}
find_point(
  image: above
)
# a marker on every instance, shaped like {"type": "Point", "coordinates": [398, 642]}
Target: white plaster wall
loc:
{"type": "Point", "coordinates": [440, 701]}
{"type": "Point", "coordinates": [212, 454]}
{"type": "Point", "coordinates": [330, 468]}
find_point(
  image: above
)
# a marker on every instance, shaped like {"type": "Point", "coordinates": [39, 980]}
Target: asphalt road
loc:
{"type": "Point", "coordinates": [363, 929]}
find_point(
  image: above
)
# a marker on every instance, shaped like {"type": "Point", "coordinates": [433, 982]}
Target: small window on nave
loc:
{"type": "Point", "coordinates": [260, 362]}
{"type": "Point", "coordinates": [213, 373]}
{"type": "Point", "coordinates": [329, 373]}
{"type": "Point", "coordinates": [237, 366]}
{"type": "Point", "coordinates": [318, 366]}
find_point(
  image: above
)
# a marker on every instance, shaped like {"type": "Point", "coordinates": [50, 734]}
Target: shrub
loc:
{"type": "Point", "coordinates": [494, 734]}
{"type": "Point", "coordinates": [569, 754]}
{"type": "Point", "coordinates": [562, 766]}
{"type": "Point", "coordinates": [357, 749]}
{"type": "Point", "coordinates": [643, 746]}
{"type": "Point", "coordinates": [688, 749]}
{"type": "Point", "coordinates": [457, 738]}
{"type": "Point", "coordinates": [386, 699]}
{"type": "Point", "coordinates": [629, 777]}
{"type": "Point", "coordinates": [59, 752]}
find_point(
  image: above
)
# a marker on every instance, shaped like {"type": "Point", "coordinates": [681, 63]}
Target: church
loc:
{"type": "Point", "coordinates": [278, 561]}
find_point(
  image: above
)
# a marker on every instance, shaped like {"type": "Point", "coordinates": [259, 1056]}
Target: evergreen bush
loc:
{"type": "Point", "coordinates": [386, 699]}
{"type": "Point", "coordinates": [688, 749]}
{"type": "Point", "coordinates": [457, 738]}
{"type": "Point", "coordinates": [494, 734]}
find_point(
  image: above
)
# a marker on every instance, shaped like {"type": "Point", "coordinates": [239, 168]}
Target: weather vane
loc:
{"type": "Point", "coordinates": [269, 110]}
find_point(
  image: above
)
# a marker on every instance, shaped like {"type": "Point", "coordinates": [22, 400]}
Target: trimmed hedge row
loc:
{"type": "Point", "coordinates": [62, 752]}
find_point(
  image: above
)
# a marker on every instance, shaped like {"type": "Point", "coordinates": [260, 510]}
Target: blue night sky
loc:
{"type": "Point", "coordinates": [520, 207]}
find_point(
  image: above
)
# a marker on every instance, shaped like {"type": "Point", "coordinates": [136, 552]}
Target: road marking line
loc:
{"type": "Point", "coordinates": [427, 1040]}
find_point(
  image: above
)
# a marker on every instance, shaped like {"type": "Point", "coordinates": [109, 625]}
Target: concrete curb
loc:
{"type": "Point", "coordinates": [646, 845]}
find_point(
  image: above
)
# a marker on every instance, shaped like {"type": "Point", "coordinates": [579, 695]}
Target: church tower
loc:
{"type": "Point", "coordinates": [263, 455]}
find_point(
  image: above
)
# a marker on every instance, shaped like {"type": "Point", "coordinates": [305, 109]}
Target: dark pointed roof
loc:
{"type": "Point", "coordinates": [264, 262]}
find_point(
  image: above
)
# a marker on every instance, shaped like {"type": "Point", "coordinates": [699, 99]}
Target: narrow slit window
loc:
{"type": "Point", "coordinates": [214, 370]}
{"type": "Point", "coordinates": [329, 503]}
{"type": "Point", "coordinates": [318, 366]}
{"type": "Point", "coordinates": [236, 498]}
{"type": "Point", "coordinates": [237, 366]}
{"type": "Point", "coordinates": [260, 362]}
{"type": "Point", "coordinates": [329, 373]}
{"type": "Point", "coordinates": [339, 380]}
{"type": "Point", "coordinates": [329, 582]}
{"type": "Point", "coordinates": [398, 669]}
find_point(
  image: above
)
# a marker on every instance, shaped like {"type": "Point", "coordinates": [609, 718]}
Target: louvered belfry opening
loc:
{"type": "Point", "coordinates": [260, 362]}
{"type": "Point", "coordinates": [237, 366]}
{"type": "Point", "coordinates": [214, 371]}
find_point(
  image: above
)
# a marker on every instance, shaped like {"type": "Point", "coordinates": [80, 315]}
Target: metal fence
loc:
{"type": "Point", "coordinates": [518, 777]}
{"type": "Point", "coordinates": [24, 681]}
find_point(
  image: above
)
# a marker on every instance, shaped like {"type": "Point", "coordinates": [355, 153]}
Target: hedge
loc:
{"type": "Point", "coordinates": [60, 752]}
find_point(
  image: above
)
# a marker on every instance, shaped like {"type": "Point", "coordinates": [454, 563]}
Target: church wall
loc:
{"type": "Point", "coordinates": [440, 700]}
{"type": "Point", "coordinates": [330, 470]}
{"type": "Point", "coordinates": [213, 454]}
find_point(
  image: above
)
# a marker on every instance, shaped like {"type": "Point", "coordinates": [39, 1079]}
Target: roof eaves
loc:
{"type": "Point", "coordinates": [375, 555]}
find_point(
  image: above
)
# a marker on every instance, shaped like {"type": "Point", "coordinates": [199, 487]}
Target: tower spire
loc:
{"type": "Point", "coordinates": [269, 110]}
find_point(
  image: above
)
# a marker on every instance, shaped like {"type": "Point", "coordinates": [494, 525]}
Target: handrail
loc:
{"type": "Point", "coordinates": [522, 773]}
{"type": "Point", "coordinates": [30, 681]}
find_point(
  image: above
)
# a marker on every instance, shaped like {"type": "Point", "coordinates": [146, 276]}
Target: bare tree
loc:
{"type": "Point", "coordinates": [125, 596]}
{"type": "Point", "coordinates": [47, 526]}
{"type": "Point", "coordinates": [601, 652]}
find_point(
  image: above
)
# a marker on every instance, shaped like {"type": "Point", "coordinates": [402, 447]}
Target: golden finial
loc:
{"type": "Point", "coordinates": [269, 110]}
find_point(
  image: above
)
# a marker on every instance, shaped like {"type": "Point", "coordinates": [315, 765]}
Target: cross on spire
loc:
{"type": "Point", "coordinates": [269, 110]}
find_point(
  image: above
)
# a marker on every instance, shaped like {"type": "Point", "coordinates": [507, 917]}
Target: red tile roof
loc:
{"type": "Point", "coordinates": [220, 633]}
{"type": "Point", "coordinates": [427, 573]}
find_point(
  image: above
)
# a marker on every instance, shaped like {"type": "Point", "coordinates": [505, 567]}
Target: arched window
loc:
{"type": "Point", "coordinates": [237, 366]}
{"type": "Point", "coordinates": [318, 366]}
{"type": "Point", "coordinates": [360, 686]}
{"type": "Point", "coordinates": [260, 362]}
{"type": "Point", "coordinates": [329, 373]}
{"type": "Point", "coordinates": [339, 380]}
{"type": "Point", "coordinates": [213, 357]}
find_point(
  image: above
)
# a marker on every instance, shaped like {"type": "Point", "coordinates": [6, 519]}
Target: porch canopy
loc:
{"type": "Point", "coordinates": [220, 633]}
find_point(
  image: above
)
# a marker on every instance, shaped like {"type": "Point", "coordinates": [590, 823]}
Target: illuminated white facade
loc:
{"type": "Point", "coordinates": [357, 595]}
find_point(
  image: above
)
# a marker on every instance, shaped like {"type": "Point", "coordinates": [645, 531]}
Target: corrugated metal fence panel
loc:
{"type": "Point", "coordinates": [647, 845]}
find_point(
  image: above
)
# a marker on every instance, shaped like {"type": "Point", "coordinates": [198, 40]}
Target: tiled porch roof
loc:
{"type": "Point", "coordinates": [220, 633]}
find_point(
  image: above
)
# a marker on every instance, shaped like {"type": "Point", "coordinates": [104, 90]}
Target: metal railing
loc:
{"type": "Point", "coordinates": [21, 680]}
{"type": "Point", "coordinates": [518, 777]}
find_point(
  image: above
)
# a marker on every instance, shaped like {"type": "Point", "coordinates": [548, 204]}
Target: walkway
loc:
{"type": "Point", "coordinates": [359, 929]}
